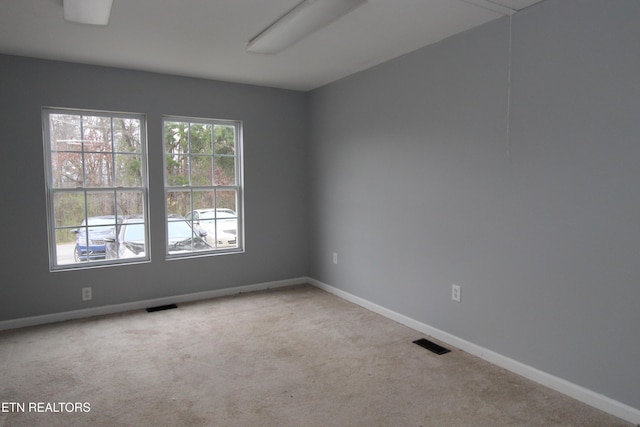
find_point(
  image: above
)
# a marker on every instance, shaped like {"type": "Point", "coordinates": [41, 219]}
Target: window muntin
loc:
{"type": "Point", "coordinates": [96, 177]}
{"type": "Point", "coordinates": [202, 184]}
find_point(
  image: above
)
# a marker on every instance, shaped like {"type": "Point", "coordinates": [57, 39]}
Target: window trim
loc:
{"type": "Point", "coordinates": [238, 187]}
{"type": "Point", "coordinates": [51, 190]}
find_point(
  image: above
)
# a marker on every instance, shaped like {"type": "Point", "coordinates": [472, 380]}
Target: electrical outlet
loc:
{"type": "Point", "coordinates": [86, 294]}
{"type": "Point", "coordinates": [335, 257]}
{"type": "Point", "coordinates": [455, 293]}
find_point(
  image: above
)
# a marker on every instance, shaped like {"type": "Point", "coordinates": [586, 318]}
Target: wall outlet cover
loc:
{"type": "Point", "coordinates": [455, 293]}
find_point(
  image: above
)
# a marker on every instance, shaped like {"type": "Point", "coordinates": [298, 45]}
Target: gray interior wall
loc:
{"type": "Point", "coordinates": [275, 151]}
{"type": "Point", "coordinates": [416, 187]}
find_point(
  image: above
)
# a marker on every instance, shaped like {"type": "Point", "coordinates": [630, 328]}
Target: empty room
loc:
{"type": "Point", "coordinates": [320, 213]}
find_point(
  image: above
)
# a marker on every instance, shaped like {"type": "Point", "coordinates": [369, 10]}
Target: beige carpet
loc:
{"type": "Point", "coordinates": [289, 357]}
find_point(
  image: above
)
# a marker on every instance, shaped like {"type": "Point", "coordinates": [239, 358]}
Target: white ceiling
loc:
{"type": "Point", "coordinates": [207, 38]}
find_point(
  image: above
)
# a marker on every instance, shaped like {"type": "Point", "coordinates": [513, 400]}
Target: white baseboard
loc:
{"type": "Point", "coordinates": [575, 391]}
{"type": "Point", "coordinates": [139, 305]}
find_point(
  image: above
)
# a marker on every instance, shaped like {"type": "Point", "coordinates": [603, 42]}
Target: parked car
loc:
{"type": "Point", "coordinates": [220, 224]}
{"type": "Point", "coordinates": [97, 228]}
{"type": "Point", "coordinates": [129, 241]}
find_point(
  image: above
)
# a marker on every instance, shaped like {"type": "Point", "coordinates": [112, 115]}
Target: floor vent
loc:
{"type": "Point", "coordinates": [431, 346]}
{"type": "Point", "coordinates": [161, 307]}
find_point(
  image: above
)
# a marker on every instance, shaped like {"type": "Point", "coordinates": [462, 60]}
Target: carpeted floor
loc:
{"type": "Point", "coordinates": [288, 357]}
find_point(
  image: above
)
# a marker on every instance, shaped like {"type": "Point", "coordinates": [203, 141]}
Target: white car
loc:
{"type": "Point", "coordinates": [220, 224]}
{"type": "Point", "coordinates": [129, 242]}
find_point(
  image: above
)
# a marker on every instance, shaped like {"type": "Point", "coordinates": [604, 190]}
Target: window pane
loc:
{"type": "Point", "coordinates": [226, 218]}
{"type": "Point", "coordinates": [177, 170]}
{"type": "Point", "coordinates": [185, 236]}
{"type": "Point", "coordinates": [66, 169]}
{"type": "Point", "coordinates": [65, 247]}
{"type": "Point", "coordinates": [100, 203]}
{"type": "Point", "coordinates": [200, 138]}
{"type": "Point", "coordinates": [178, 203]}
{"type": "Point", "coordinates": [176, 137]}
{"type": "Point", "coordinates": [225, 139]}
{"type": "Point", "coordinates": [65, 132]}
{"type": "Point", "coordinates": [182, 238]}
{"type": "Point", "coordinates": [89, 239]}
{"type": "Point", "coordinates": [128, 170]}
{"type": "Point", "coordinates": [204, 199]}
{"type": "Point", "coordinates": [201, 170]}
{"type": "Point", "coordinates": [134, 232]}
{"type": "Point", "coordinates": [98, 170]}
{"type": "Point", "coordinates": [225, 170]}
{"type": "Point", "coordinates": [132, 240]}
{"type": "Point", "coordinates": [130, 203]}
{"type": "Point", "coordinates": [97, 134]}
{"type": "Point", "coordinates": [68, 209]}
{"type": "Point", "coordinates": [126, 134]}
{"type": "Point", "coordinates": [227, 200]}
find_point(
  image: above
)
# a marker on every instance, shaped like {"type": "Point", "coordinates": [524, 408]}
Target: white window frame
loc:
{"type": "Point", "coordinates": [192, 187]}
{"type": "Point", "coordinates": [53, 189]}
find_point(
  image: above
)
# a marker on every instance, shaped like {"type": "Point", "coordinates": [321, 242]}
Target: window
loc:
{"type": "Point", "coordinates": [96, 180]}
{"type": "Point", "coordinates": [203, 186]}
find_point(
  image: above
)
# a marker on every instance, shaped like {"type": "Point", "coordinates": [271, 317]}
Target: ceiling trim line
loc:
{"type": "Point", "coordinates": [492, 6]}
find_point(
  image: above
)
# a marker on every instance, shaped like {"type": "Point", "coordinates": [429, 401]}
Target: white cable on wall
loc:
{"type": "Point", "coordinates": [509, 54]}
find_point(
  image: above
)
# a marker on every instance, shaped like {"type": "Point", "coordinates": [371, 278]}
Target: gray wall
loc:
{"type": "Point", "coordinates": [414, 184]}
{"type": "Point", "coordinates": [275, 152]}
